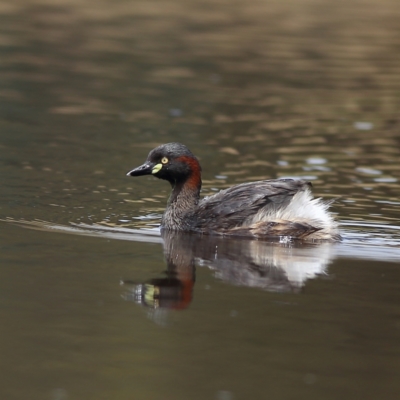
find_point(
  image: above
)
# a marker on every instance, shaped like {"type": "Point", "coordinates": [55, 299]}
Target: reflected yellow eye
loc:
{"type": "Point", "coordinates": [164, 160]}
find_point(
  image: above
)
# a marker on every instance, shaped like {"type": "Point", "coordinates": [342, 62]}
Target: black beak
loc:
{"type": "Point", "coordinates": [145, 169]}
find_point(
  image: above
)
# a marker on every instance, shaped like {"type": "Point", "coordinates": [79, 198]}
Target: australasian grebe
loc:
{"type": "Point", "coordinates": [262, 209]}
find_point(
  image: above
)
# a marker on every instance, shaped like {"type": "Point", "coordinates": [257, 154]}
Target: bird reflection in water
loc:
{"type": "Point", "coordinates": [282, 266]}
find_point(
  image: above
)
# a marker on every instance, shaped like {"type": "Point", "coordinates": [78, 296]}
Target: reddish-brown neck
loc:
{"type": "Point", "coordinates": [194, 180]}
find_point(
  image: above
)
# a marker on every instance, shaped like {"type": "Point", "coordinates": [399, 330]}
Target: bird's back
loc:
{"type": "Point", "coordinates": [280, 207]}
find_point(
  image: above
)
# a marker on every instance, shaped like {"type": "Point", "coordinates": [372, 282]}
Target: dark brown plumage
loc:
{"type": "Point", "coordinates": [262, 209]}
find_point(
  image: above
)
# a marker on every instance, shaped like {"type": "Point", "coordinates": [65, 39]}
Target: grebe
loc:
{"type": "Point", "coordinates": [266, 209]}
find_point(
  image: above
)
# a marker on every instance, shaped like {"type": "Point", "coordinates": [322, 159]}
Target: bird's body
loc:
{"type": "Point", "coordinates": [262, 209]}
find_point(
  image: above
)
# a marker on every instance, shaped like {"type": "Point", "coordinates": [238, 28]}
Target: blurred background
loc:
{"type": "Point", "coordinates": [256, 89]}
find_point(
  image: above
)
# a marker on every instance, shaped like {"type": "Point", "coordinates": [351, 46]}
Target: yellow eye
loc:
{"type": "Point", "coordinates": [164, 160]}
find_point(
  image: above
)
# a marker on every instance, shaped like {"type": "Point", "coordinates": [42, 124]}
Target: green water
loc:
{"type": "Point", "coordinates": [257, 90]}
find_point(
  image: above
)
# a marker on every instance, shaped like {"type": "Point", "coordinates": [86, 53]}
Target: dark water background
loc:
{"type": "Point", "coordinates": [256, 89]}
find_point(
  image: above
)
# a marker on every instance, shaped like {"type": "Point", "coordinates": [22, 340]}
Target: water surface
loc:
{"type": "Point", "coordinates": [257, 90]}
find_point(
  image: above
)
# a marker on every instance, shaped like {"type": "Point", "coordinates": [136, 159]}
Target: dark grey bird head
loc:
{"type": "Point", "coordinates": [173, 162]}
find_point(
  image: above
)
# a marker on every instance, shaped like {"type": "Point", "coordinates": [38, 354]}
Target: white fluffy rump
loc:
{"type": "Point", "coordinates": [303, 208]}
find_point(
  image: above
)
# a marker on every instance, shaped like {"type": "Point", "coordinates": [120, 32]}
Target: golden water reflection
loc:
{"type": "Point", "coordinates": [256, 90]}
